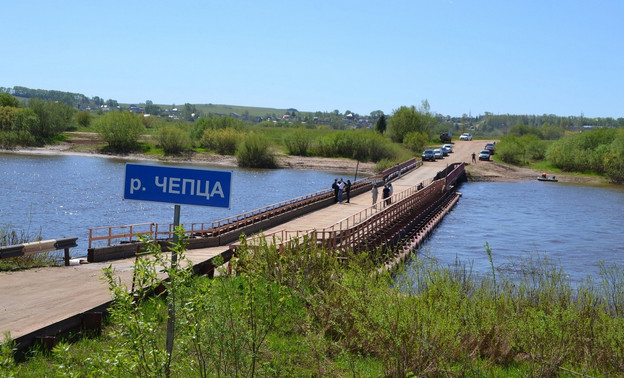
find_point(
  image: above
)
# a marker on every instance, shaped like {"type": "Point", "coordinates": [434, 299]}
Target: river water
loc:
{"type": "Point", "coordinates": [574, 226]}
{"type": "Point", "coordinates": [64, 196]}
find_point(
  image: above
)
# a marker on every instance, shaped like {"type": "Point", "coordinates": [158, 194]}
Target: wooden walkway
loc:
{"type": "Point", "coordinates": [41, 299]}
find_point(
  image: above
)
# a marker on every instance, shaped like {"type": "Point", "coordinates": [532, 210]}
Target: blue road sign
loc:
{"type": "Point", "coordinates": [182, 186]}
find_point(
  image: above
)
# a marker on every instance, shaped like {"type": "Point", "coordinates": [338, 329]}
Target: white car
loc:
{"type": "Point", "coordinates": [448, 147]}
{"type": "Point", "coordinates": [465, 136]}
{"type": "Point", "coordinates": [438, 153]}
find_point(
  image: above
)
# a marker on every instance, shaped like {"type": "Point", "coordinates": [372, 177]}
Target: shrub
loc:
{"type": "Point", "coordinates": [360, 145]}
{"type": "Point", "coordinates": [255, 152]}
{"type": "Point", "coordinates": [224, 141]}
{"type": "Point", "coordinates": [173, 140]}
{"type": "Point", "coordinates": [52, 118]}
{"type": "Point", "coordinates": [416, 141]}
{"type": "Point", "coordinates": [121, 130]}
{"type": "Point", "coordinates": [84, 118]}
{"type": "Point", "coordinates": [11, 139]}
{"type": "Point", "coordinates": [298, 142]}
{"type": "Point", "coordinates": [214, 123]}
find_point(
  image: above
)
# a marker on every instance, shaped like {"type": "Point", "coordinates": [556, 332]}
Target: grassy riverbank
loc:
{"type": "Point", "coordinates": [10, 236]}
{"type": "Point", "coordinates": [307, 313]}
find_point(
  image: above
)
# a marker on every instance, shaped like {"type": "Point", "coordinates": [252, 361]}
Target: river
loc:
{"type": "Point", "coordinates": [64, 195]}
{"type": "Point", "coordinates": [575, 227]}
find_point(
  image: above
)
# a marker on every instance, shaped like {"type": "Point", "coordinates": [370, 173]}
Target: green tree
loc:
{"type": "Point", "coordinates": [121, 130]}
{"type": "Point", "coordinates": [406, 119]}
{"type": "Point", "coordinates": [53, 118]}
{"type": "Point", "coordinates": [8, 100]}
{"type": "Point", "coordinates": [381, 124]}
{"type": "Point", "coordinates": [416, 141]}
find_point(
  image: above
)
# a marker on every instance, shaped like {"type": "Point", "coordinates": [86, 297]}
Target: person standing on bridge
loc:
{"type": "Point", "coordinates": [391, 193]}
{"type": "Point", "coordinates": [348, 190]}
{"type": "Point", "coordinates": [375, 193]}
{"type": "Point", "coordinates": [385, 195]}
{"type": "Point", "coordinates": [335, 187]}
{"type": "Point", "coordinates": [341, 186]}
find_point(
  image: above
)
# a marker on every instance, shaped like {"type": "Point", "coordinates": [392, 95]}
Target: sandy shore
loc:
{"type": "Point", "coordinates": [87, 144]}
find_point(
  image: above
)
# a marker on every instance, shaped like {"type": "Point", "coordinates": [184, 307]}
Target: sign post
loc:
{"type": "Point", "coordinates": [187, 186]}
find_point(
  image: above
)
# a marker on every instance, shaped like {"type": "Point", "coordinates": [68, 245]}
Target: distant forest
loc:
{"type": "Point", "coordinates": [488, 123]}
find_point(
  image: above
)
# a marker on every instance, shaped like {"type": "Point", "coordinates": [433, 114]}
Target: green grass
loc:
{"type": "Point", "coordinates": [11, 236]}
{"type": "Point", "coordinates": [302, 312]}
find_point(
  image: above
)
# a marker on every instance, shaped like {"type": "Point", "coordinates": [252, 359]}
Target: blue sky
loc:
{"type": "Point", "coordinates": [517, 57]}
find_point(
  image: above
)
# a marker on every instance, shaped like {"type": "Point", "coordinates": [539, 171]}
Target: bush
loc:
{"type": "Point", "coordinates": [214, 123]}
{"type": "Point", "coordinates": [298, 142]}
{"type": "Point", "coordinates": [360, 145]}
{"type": "Point", "coordinates": [11, 139]}
{"type": "Point", "coordinates": [416, 141]}
{"type": "Point", "coordinates": [173, 140]}
{"type": "Point", "coordinates": [52, 118]}
{"type": "Point", "coordinates": [84, 118]}
{"type": "Point", "coordinates": [224, 141]}
{"type": "Point", "coordinates": [121, 130]}
{"type": "Point", "coordinates": [255, 152]}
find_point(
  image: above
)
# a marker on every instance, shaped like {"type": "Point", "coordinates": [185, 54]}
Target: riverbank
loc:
{"type": "Point", "coordinates": [88, 144]}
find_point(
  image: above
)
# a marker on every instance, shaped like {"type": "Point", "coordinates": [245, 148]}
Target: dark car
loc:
{"type": "Point", "coordinates": [428, 155]}
{"type": "Point", "coordinates": [490, 147]}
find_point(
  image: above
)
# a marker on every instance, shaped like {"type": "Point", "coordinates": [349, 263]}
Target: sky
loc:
{"type": "Point", "coordinates": [462, 56]}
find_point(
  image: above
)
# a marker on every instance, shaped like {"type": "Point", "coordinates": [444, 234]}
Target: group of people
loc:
{"type": "Point", "coordinates": [386, 194]}
{"type": "Point", "coordinates": [341, 187]}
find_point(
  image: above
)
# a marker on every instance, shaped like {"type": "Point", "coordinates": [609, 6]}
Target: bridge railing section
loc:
{"type": "Point", "coordinates": [112, 235]}
{"type": "Point", "coordinates": [351, 230]}
{"type": "Point", "coordinates": [42, 246]}
{"type": "Point", "coordinates": [406, 166]}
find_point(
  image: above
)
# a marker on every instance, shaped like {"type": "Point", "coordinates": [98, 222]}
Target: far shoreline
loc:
{"type": "Point", "coordinates": [203, 158]}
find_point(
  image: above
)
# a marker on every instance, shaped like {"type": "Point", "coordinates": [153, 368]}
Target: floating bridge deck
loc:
{"type": "Point", "coordinates": [42, 305]}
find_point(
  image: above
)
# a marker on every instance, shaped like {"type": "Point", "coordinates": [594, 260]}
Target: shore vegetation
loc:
{"type": "Point", "coordinates": [305, 311]}
{"type": "Point", "coordinates": [9, 236]}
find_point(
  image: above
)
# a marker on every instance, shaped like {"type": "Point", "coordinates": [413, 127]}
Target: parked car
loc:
{"type": "Point", "coordinates": [449, 147]}
{"type": "Point", "coordinates": [428, 155]}
{"type": "Point", "coordinates": [445, 137]}
{"type": "Point", "coordinates": [445, 152]}
{"type": "Point", "coordinates": [490, 147]}
{"type": "Point", "coordinates": [438, 153]}
{"type": "Point", "coordinates": [465, 136]}
{"type": "Point", "coordinates": [484, 155]}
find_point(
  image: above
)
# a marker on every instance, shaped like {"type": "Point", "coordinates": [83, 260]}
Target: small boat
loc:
{"type": "Point", "coordinates": [553, 179]}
